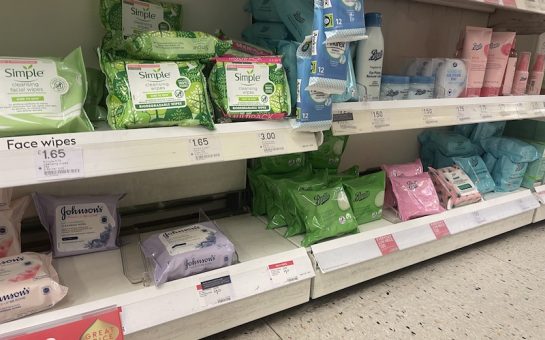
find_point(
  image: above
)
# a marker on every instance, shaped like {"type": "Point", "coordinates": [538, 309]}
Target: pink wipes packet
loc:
{"type": "Point", "coordinates": [454, 187]}
{"type": "Point", "coordinates": [10, 226]}
{"type": "Point", "coordinates": [28, 284]}
{"type": "Point", "coordinates": [397, 170]}
{"type": "Point", "coordinates": [415, 196]}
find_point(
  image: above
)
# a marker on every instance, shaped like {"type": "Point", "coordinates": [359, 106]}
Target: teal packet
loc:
{"type": "Point", "coordinates": [266, 34]}
{"type": "Point", "coordinates": [263, 10]}
{"type": "Point", "coordinates": [326, 213]}
{"type": "Point", "coordinates": [465, 130]}
{"type": "Point", "coordinates": [351, 92]}
{"type": "Point", "coordinates": [366, 196]}
{"type": "Point", "coordinates": [490, 161]}
{"type": "Point", "coordinates": [508, 175]}
{"type": "Point", "coordinates": [288, 51]}
{"type": "Point", "coordinates": [451, 144]}
{"type": "Point", "coordinates": [516, 150]}
{"type": "Point", "coordinates": [487, 130]}
{"type": "Point", "coordinates": [476, 169]}
{"type": "Point", "coordinates": [297, 16]}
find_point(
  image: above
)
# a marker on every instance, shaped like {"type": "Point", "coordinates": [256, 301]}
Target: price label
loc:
{"type": "Point", "coordinates": [59, 163]}
{"type": "Point", "coordinates": [521, 110]}
{"type": "Point", "coordinates": [478, 218]}
{"type": "Point", "coordinates": [282, 273]}
{"type": "Point", "coordinates": [387, 244]}
{"type": "Point", "coordinates": [270, 142]}
{"type": "Point", "coordinates": [485, 112]}
{"type": "Point", "coordinates": [216, 291]}
{"type": "Point", "coordinates": [541, 196]}
{"type": "Point", "coordinates": [380, 119]}
{"type": "Point", "coordinates": [439, 229]}
{"type": "Point", "coordinates": [537, 108]}
{"type": "Point", "coordinates": [204, 149]}
{"type": "Point", "coordinates": [463, 113]}
{"type": "Point", "coordinates": [428, 116]}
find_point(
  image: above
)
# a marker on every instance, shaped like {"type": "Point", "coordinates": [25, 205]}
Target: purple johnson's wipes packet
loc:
{"type": "Point", "coordinates": [186, 251]}
{"type": "Point", "coordinates": [79, 224]}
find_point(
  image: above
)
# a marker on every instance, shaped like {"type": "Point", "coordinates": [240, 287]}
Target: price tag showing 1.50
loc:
{"type": "Point", "coordinates": [59, 163]}
{"type": "Point", "coordinates": [282, 273]}
{"type": "Point", "coordinates": [204, 149]}
{"type": "Point", "coordinates": [270, 142]}
{"type": "Point", "coordinates": [216, 291]}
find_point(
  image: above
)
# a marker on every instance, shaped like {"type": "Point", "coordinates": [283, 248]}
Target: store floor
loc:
{"type": "Point", "coordinates": [492, 290]}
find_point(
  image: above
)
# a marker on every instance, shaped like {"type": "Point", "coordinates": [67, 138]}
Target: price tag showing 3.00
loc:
{"type": "Point", "coordinates": [270, 142]}
{"type": "Point", "coordinates": [59, 163]}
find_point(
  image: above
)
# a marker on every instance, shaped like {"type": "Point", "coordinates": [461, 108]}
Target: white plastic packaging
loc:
{"type": "Point", "coordinates": [394, 88]}
{"type": "Point", "coordinates": [369, 59]}
{"type": "Point", "coordinates": [451, 79]}
{"type": "Point", "coordinates": [431, 68]}
{"type": "Point", "coordinates": [421, 87]}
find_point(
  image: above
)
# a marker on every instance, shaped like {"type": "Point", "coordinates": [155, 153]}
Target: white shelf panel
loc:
{"type": "Point", "coordinates": [356, 258]}
{"type": "Point", "coordinates": [96, 281]}
{"type": "Point", "coordinates": [126, 151]}
{"type": "Point", "coordinates": [540, 195]}
{"type": "Point", "coordinates": [532, 6]}
{"type": "Point", "coordinates": [370, 117]}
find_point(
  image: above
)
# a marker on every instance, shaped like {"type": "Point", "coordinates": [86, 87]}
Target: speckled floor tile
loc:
{"type": "Point", "coordinates": [524, 248]}
{"type": "Point", "coordinates": [467, 294]}
{"type": "Point", "coordinates": [250, 331]}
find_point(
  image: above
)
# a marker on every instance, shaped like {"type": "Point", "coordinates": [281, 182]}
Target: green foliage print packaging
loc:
{"type": "Point", "coordinates": [43, 95]}
{"type": "Point", "coordinates": [175, 45]}
{"type": "Point", "coordinates": [134, 16]}
{"type": "Point", "coordinates": [366, 196]}
{"type": "Point", "coordinates": [149, 94]}
{"type": "Point", "coordinates": [326, 213]}
{"type": "Point", "coordinates": [250, 88]}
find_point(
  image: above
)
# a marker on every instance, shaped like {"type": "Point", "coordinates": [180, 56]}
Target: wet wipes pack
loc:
{"type": "Point", "coordinates": [366, 196]}
{"type": "Point", "coordinates": [329, 60]}
{"type": "Point", "coordinates": [351, 93]}
{"type": "Point", "coordinates": [451, 144]}
{"type": "Point", "coordinates": [297, 16]}
{"type": "Point", "coordinates": [79, 224]}
{"type": "Point", "coordinates": [282, 164]}
{"type": "Point", "coordinates": [186, 251]}
{"type": "Point", "coordinates": [10, 226]}
{"type": "Point", "coordinates": [263, 10]}
{"type": "Point", "coordinates": [313, 107]}
{"type": "Point", "coordinates": [454, 187]}
{"type": "Point", "coordinates": [154, 94]}
{"type": "Point", "coordinates": [508, 175]}
{"type": "Point", "coordinates": [43, 95]}
{"type": "Point", "coordinates": [415, 196]}
{"type": "Point", "coordinates": [250, 88]}
{"type": "Point", "coordinates": [136, 16]}
{"type": "Point", "coordinates": [329, 154]}
{"type": "Point", "coordinates": [516, 150]}
{"type": "Point", "coordinates": [28, 284]}
{"type": "Point", "coordinates": [175, 45]}
{"type": "Point", "coordinates": [288, 51]}
{"type": "Point", "coordinates": [343, 20]}
{"type": "Point", "coordinates": [490, 161]}
{"type": "Point", "coordinates": [265, 34]}
{"type": "Point", "coordinates": [476, 169]}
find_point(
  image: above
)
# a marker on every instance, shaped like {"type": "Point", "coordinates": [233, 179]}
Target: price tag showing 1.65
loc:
{"type": "Point", "coordinates": [62, 163]}
{"type": "Point", "coordinates": [271, 141]}
{"type": "Point", "coordinates": [204, 149]}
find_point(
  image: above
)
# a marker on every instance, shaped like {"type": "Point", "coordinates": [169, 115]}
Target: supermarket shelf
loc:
{"type": "Point", "coordinates": [369, 117]}
{"type": "Point", "coordinates": [116, 152]}
{"type": "Point", "coordinates": [96, 281]}
{"type": "Point", "coordinates": [539, 214]}
{"type": "Point", "coordinates": [532, 6]}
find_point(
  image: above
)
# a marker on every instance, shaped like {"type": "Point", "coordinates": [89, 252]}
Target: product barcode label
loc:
{"type": "Point", "coordinates": [204, 149]}
{"type": "Point", "coordinates": [271, 142]}
{"type": "Point", "coordinates": [387, 244]}
{"type": "Point", "coordinates": [59, 163]}
{"type": "Point", "coordinates": [282, 273]}
{"type": "Point", "coordinates": [215, 291]}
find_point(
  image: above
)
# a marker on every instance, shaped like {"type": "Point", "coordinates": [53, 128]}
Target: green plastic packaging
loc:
{"type": "Point", "coordinates": [96, 84]}
{"type": "Point", "coordinates": [175, 45]}
{"type": "Point", "coordinates": [148, 94]}
{"type": "Point", "coordinates": [328, 155]}
{"type": "Point", "coordinates": [339, 177]}
{"type": "Point", "coordinates": [366, 196]}
{"type": "Point", "coordinates": [250, 88]}
{"type": "Point", "coordinates": [43, 95]}
{"type": "Point", "coordinates": [326, 214]}
{"type": "Point", "coordinates": [130, 17]}
{"type": "Point", "coordinates": [283, 163]}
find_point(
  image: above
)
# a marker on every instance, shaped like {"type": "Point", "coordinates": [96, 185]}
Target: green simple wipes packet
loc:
{"type": "Point", "coordinates": [366, 196]}
{"type": "Point", "coordinates": [43, 95]}
{"type": "Point", "coordinates": [250, 88]}
{"type": "Point", "coordinates": [135, 16]}
{"type": "Point", "coordinates": [151, 94]}
{"type": "Point", "coordinates": [175, 45]}
{"type": "Point", "coordinates": [326, 213]}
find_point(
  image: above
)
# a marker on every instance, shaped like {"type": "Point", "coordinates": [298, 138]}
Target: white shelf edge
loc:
{"type": "Point", "coordinates": [371, 117]}
{"type": "Point", "coordinates": [358, 248]}
{"type": "Point", "coordinates": [126, 151]}
{"type": "Point", "coordinates": [481, 5]}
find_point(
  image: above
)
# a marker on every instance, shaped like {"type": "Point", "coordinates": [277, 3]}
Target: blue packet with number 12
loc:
{"type": "Point", "coordinates": [343, 20]}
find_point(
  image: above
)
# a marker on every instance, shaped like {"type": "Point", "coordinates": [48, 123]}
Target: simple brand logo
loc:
{"type": "Point", "coordinates": [249, 78]}
{"type": "Point", "coordinates": [72, 210]}
{"type": "Point", "coordinates": [143, 13]}
{"type": "Point", "coordinates": [169, 234]}
{"type": "Point", "coordinates": [155, 75]}
{"type": "Point", "coordinates": [199, 262]}
{"type": "Point", "coordinates": [477, 46]}
{"type": "Point", "coordinates": [29, 73]}
{"type": "Point", "coordinates": [376, 55]}
{"type": "Point", "coordinates": [321, 199]}
{"type": "Point", "coordinates": [360, 196]}
{"type": "Point", "coordinates": [23, 292]}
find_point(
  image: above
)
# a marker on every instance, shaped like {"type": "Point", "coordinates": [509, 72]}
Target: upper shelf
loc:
{"type": "Point", "coordinates": [101, 153]}
{"type": "Point", "coordinates": [368, 117]}
{"type": "Point", "coordinates": [533, 6]}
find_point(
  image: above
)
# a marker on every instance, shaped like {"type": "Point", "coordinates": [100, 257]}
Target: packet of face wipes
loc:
{"type": "Point", "coordinates": [175, 45]}
{"type": "Point", "coordinates": [134, 16]}
{"type": "Point", "coordinates": [28, 284]}
{"type": "Point", "coordinates": [476, 169]}
{"type": "Point", "coordinates": [10, 226]}
{"type": "Point", "coordinates": [313, 107]}
{"type": "Point", "coordinates": [288, 51]}
{"type": "Point", "coordinates": [397, 170]}
{"type": "Point", "coordinates": [343, 19]}
{"type": "Point", "coordinates": [297, 16]}
{"type": "Point", "coordinates": [329, 154]}
{"type": "Point", "coordinates": [253, 88]}
{"type": "Point", "coordinates": [263, 10]}
{"type": "Point", "coordinates": [187, 250]}
{"type": "Point", "coordinates": [454, 187]}
{"type": "Point", "coordinates": [351, 93]}
{"type": "Point", "coordinates": [366, 196]}
{"type": "Point", "coordinates": [265, 34]}
{"type": "Point", "coordinates": [79, 224]}
{"type": "Point", "coordinates": [154, 94]}
{"type": "Point", "coordinates": [282, 163]}
{"type": "Point", "coordinates": [326, 213]}
{"type": "Point", "coordinates": [329, 60]}
{"type": "Point", "coordinates": [415, 196]}
{"type": "Point", "coordinates": [43, 95]}
{"type": "Point", "coordinates": [508, 175]}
